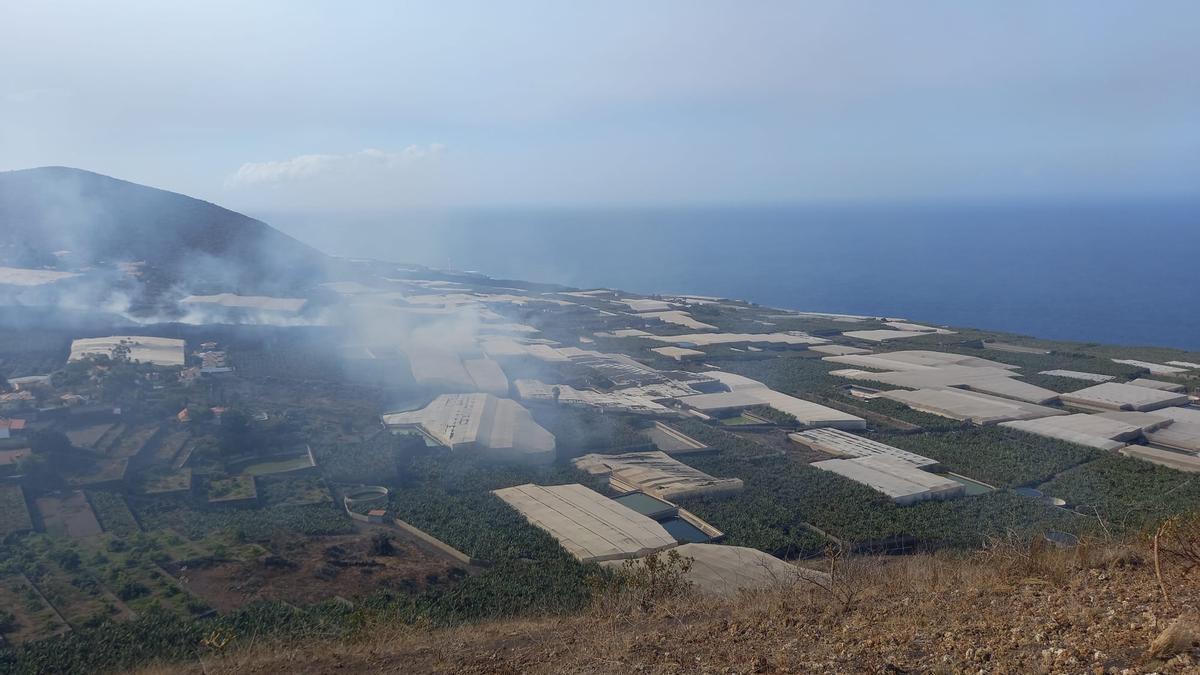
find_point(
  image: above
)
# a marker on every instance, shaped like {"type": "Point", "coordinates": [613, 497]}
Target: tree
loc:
{"type": "Point", "coordinates": [4, 385]}
{"type": "Point", "coordinates": [49, 442]}
{"type": "Point", "coordinates": [8, 622]}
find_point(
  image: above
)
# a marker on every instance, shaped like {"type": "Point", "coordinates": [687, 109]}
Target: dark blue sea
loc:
{"type": "Point", "coordinates": [1120, 273]}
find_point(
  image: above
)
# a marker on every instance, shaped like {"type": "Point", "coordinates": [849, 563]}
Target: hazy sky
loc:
{"type": "Point", "coordinates": [376, 105]}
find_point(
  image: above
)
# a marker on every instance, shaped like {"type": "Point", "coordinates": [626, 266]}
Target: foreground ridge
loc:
{"type": "Point", "coordinates": [1012, 608]}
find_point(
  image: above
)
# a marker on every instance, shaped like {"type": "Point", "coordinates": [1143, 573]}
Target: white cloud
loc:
{"type": "Point", "coordinates": [306, 167]}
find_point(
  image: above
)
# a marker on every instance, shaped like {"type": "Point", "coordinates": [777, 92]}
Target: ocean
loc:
{"type": "Point", "coordinates": [1120, 273]}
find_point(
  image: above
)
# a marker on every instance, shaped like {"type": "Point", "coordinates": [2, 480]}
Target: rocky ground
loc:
{"type": "Point", "coordinates": [1011, 610]}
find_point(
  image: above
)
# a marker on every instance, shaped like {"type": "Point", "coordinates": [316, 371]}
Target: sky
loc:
{"type": "Point", "coordinates": [383, 105]}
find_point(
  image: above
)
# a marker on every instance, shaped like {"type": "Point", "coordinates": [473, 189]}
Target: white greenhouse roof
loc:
{"type": "Point", "coordinates": [590, 526]}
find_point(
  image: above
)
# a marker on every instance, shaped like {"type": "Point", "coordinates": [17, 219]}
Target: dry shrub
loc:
{"type": "Point", "coordinates": [1018, 555]}
{"type": "Point", "coordinates": [848, 577]}
{"type": "Point", "coordinates": [1179, 541]}
{"type": "Point", "coordinates": [643, 584]}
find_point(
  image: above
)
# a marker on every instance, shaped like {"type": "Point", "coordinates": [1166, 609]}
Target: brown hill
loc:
{"type": "Point", "coordinates": [1012, 609]}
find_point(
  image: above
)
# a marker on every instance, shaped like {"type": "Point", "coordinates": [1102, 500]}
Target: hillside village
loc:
{"type": "Point", "coordinates": [162, 480]}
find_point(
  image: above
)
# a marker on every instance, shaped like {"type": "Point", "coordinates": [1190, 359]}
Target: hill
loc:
{"type": "Point", "coordinates": [1009, 610]}
{"type": "Point", "coordinates": [98, 219]}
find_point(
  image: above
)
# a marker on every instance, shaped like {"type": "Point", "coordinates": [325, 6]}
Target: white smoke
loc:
{"type": "Point", "coordinates": [306, 167]}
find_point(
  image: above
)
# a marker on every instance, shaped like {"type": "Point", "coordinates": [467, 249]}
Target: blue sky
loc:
{"type": "Point", "coordinates": [385, 105]}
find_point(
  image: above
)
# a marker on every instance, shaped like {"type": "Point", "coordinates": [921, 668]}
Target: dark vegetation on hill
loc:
{"type": "Point", "coordinates": [99, 219]}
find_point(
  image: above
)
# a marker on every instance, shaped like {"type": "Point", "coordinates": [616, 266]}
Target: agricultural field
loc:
{"type": "Point", "coordinates": [132, 442]}
{"type": "Point", "coordinates": [131, 568]}
{"type": "Point", "coordinates": [1125, 493]}
{"type": "Point", "coordinates": [113, 513]}
{"type": "Point", "coordinates": [166, 449]}
{"type": "Point", "coordinates": [783, 498]}
{"type": "Point", "coordinates": [996, 456]}
{"type": "Point", "coordinates": [14, 514]}
{"type": "Point", "coordinates": [98, 472]}
{"type": "Point", "coordinates": [308, 570]}
{"type": "Point", "coordinates": [68, 514]}
{"type": "Point", "coordinates": [450, 498]}
{"type": "Point", "coordinates": [89, 437]}
{"type": "Point", "coordinates": [233, 489]}
{"type": "Point", "coordinates": [61, 573]}
{"type": "Point", "coordinates": [293, 491]}
{"type": "Point", "coordinates": [160, 480]}
{"type": "Point", "coordinates": [24, 614]}
{"type": "Point", "coordinates": [247, 524]}
{"type": "Point", "coordinates": [278, 465]}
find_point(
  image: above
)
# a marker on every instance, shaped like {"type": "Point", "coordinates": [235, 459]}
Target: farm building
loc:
{"type": "Point", "coordinates": [843, 444]}
{"type": "Point", "coordinates": [1157, 384]}
{"type": "Point", "coordinates": [1175, 460]}
{"type": "Point", "coordinates": [969, 406]}
{"type": "Point", "coordinates": [487, 376]}
{"type": "Point", "coordinates": [440, 370]}
{"type": "Point", "coordinates": [1097, 431]}
{"type": "Point", "coordinates": [155, 350]}
{"type": "Point", "coordinates": [646, 305]}
{"type": "Point", "coordinates": [901, 481]}
{"type": "Point", "coordinates": [746, 393]}
{"type": "Point", "coordinates": [916, 327]}
{"type": "Point", "coordinates": [679, 353]}
{"type": "Point", "coordinates": [679, 318]}
{"type": "Point", "coordinates": [1154, 368]}
{"type": "Point", "coordinates": [1180, 414]}
{"type": "Point", "coordinates": [883, 334]}
{"type": "Point", "coordinates": [1182, 436]}
{"type": "Point", "coordinates": [590, 526]}
{"type": "Point", "coordinates": [1120, 396]}
{"type": "Point", "coordinates": [1077, 375]}
{"type": "Point", "coordinates": [11, 427]}
{"type": "Point", "coordinates": [792, 339]}
{"type": "Point", "coordinates": [30, 382]}
{"type": "Point", "coordinates": [914, 359]}
{"type": "Point", "coordinates": [655, 473]}
{"type": "Point", "coordinates": [988, 380]}
{"type": "Point", "coordinates": [499, 427]}
{"type": "Point", "coordinates": [728, 570]}
{"type": "Point", "coordinates": [565, 394]}
{"type": "Point", "coordinates": [838, 350]}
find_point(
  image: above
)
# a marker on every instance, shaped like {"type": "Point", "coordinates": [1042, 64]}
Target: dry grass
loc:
{"type": "Point", "coordinates": [1015, 607]}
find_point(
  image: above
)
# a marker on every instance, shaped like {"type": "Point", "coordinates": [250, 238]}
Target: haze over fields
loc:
{"type": "Point", "coordinates": [672, 337]}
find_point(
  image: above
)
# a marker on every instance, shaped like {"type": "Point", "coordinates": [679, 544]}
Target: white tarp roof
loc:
{"type": "Point", "coordinates": [655, 473]}
{"type": "Point", "coordinates": [482, 421]}
{"type": "Point", "coordinates": [746, 393]}
{"type": "Point", "coordinates": [1154, 368]}
{"type": "Point", "coordinates": [590, 526]}
{"type": "Point", "coordinates": [722, 570]}
{"type": "Point", "coordinates": [1095, 431]}
{"type": "Point", "coordinates": [1078, 375]}
{"type": "Point", "coordinates": [1121, 396]}
{"type": "Point", "coordinates": [901, 481]}
{"type": "Point", "coordinates": [844, 444]}
{"type": "Point", "coordinates": [969, 406]}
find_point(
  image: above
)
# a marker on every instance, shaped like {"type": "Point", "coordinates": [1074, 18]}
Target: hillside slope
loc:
{"type": "Point", "coordinates": [101, 219]}
{"type": "Point", "coordinates": [1094, 610]}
